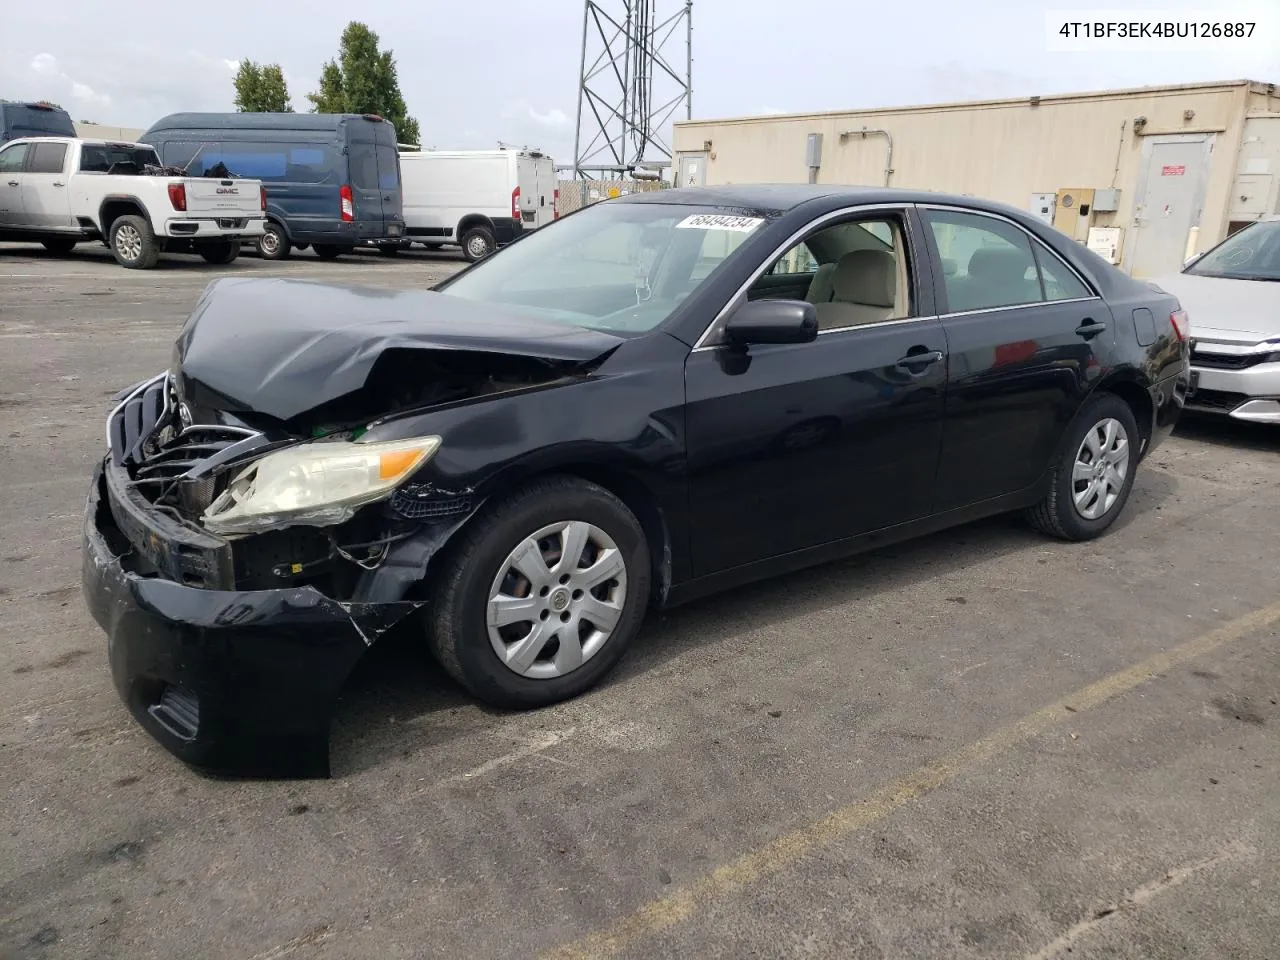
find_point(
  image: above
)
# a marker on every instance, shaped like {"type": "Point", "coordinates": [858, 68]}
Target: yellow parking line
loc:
{"type": "Point", "coordinates": [778, 854]}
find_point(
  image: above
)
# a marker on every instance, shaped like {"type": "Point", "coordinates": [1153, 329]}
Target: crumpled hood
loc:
{"type": "Point", "coordinates": [1224, 310]}
{"type": "Point", "coordinates": [282, 347]}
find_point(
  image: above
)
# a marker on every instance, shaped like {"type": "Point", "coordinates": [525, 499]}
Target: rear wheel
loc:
{"type": "Point", "coordinates": [478, 243]}
{"type": "Point", "coordinates": [327, 251]}
{"type": "Point", "coordinates": [1093, 477]}
{"type": "Point", "coordinates": [133, 243]}
{"type": "Point", "coordinates": [224, 252]}
{"type": "Point", "coordinates": [542, 595]}
{"type": "Point", "coordinates": [388, 249]}
{"type": "Point", "coordinates": [273, 244]}
{"type": "Point", "coordinates": [59, 247]}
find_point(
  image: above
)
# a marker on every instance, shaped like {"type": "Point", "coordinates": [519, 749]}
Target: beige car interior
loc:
{"type": "Point", "coordinates": [867, 285]}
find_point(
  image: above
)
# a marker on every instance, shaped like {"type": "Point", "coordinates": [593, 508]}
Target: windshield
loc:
{"type": "Point", "coordinates": [1251, 254]}
{"type": "Point", "coordinates": [621, 267]}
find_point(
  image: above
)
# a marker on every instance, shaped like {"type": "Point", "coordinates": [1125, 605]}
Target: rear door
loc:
{"type": "Point", "coordinates": [1027, 338]}
{"type": "Point", "coordinates": [46, 196]}
{"type": "Point", "coordinates": [13, 158]}
{"type": "Point", "coordinates": [362, 167]}
{"type": "Point", "coordinates": [546, 175]}
{"type": "Point", "coordinates": [527, 180]}
{"type": "Point", "coordinates": [390, 182]}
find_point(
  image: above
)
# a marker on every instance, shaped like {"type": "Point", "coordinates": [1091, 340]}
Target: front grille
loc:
{"type": "Point", "coordinates": [1231, 361]}
{"type": "Point", "coordinates": [1220, 400]}
{"type": "Point", "coordinates": [168, 463]}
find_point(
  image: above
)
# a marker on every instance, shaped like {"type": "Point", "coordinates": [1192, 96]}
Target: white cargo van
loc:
{"type": "Point", "coordinates": [476, 199]}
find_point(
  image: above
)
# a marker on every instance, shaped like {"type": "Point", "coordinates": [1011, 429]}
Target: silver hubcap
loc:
{"type": "Point", "coordinates": [556, 600]}
{"type": "Point", "coordinates": [1102, 463]}
{"type": "Point", "coordinates": [478, 246]}
{"type": "Point", "coordinates": [269, 243]}
{"type": "Point", "coordinates": [129, 242]}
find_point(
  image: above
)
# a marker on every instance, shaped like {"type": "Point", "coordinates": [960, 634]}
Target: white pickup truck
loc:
{"type": "Point", "coordinates": [61, 191]}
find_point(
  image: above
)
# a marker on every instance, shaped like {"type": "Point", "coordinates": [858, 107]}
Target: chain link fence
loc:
{"type": "Point", "coordinates": [576, 194]}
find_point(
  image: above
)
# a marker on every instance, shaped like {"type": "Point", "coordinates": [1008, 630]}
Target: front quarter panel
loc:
{"type": "Point", "coordinates": [625, 417]}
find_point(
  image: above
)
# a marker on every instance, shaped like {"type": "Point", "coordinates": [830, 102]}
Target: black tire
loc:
{"type": "Point", "coordinates": [478, 243]}
{"type": "Point", "coordinates": [224, 252]}
{"type": "Point", "coordinates": [388, 249]}
{"type": "Point", "coordinates": [301, 246]}
{"type": "Point", "coordinates": [327, 251]}
{"type": "Point", "coordinates": [1057, 514]}
{"type": "Point", "coordinates": [59, 247]}
{"type": "Point", "coordinates": [456, 630]}
{"type": "Point", "coordinates": [133, 243]}
{"type": "Point", "coordinates": [274, 243]}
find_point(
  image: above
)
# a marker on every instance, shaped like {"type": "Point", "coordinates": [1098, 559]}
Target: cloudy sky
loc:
{"type": "Point", "coordinates": [480, 71]}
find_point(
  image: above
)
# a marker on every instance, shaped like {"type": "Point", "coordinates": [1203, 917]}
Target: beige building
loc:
{"type": "Point", "coordinates": [1145, 176]}
{"type": "Point", "coordinates": [99, 131]}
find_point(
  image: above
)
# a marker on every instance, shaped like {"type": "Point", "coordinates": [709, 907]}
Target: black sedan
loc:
{"type": "Point", "coordinates": [652, 399]}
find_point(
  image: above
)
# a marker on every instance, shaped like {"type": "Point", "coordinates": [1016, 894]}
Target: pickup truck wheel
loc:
{"type": "Point", "coordinates": [274, 245]}
{"type": "Point", "coordinates": [541, 595]}
{"type": "Point", "coordinates": [220, 252]}
{"type": "Point", "coordinates": [134, 243]}
{"type": "Point", "coordinates": [326, 251]}
{"type": "Point", "coordinates": [59, 247]}
{"type": "Point", "coordinates": [478, 243]}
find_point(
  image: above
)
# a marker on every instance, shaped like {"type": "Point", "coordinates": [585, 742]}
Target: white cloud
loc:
{"type": "Point", "coordinates": [63, 87]}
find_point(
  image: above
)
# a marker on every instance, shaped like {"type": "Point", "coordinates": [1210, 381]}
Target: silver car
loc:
{"type": "Point", "coordinates": [1232, 296]}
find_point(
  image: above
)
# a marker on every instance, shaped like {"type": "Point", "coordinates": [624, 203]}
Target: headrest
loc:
{"type": "Point", "coordinates": [866, 276]}
{"type": "Point", "coordinates": [999, 264]}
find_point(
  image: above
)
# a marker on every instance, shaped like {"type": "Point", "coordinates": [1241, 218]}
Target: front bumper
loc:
{"type": "Point", "coordinates": [1251, 393]}
{"type": "Point", "coordinates": [235, 682]}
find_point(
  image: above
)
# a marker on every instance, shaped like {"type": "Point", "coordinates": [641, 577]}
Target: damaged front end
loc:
{"type": "Point", "coordinates": [261, 517]}
{"type": "Point", "coordinates": [231, 642]}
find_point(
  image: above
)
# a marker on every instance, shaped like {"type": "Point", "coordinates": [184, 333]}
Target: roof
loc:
{"type": "Point", "coordinates": [254, 121]}
{"type": "Point", "coordinates": [780, 197]}
{"type": "Point", "coordinates": [1043, 100]}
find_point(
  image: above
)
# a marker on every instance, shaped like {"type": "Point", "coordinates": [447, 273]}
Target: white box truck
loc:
{"type": "Point", "coordinates": [475, 199]}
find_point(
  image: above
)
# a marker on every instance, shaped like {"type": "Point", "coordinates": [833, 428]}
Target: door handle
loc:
{"type": "Point", "coordinates": [921, 358]}
{"type": "Point", "coordinates": [13, 183]}
{"type": "Point", "coordinates": [58, 183]}
{"type": "Point", "coordinates": [1090, 328]}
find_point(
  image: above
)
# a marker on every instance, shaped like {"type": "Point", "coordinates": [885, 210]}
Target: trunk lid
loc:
{"type": "Point", "coordinates": [207, 196]}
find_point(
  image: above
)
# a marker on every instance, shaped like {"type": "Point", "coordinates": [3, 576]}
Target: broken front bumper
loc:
{"type": "Point", "coordinates": [237, 682]}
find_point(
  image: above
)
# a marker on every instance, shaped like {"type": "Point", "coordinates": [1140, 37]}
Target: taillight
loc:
{"type": "Point", "coordinates": [348, 204]}
{"type": "Point", "coordinates": [178, 195]}
{"type": "Point", "coordinates": [1181, 326]}
{"type": "Point", "coordinates": [555, 204]}
{"type": "Point", "coordinates": [263, 194]}
{"type": "Point", "coordinates": [515, 204]}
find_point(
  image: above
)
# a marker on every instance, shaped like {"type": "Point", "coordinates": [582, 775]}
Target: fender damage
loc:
{"type": "Point", "coordinates": [231, 651]}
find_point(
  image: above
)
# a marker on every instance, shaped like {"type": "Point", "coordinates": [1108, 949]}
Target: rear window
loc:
{"type": "Point", "coordinates": [24, 120]}
{"type": "Point", "coordinates": [362, 157]}
{"type": "Point", "coordinates": [388, 168]}
{"type": "Point", "coordinates": [111, 158]}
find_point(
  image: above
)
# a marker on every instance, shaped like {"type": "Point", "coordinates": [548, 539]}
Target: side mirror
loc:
{"type": "Point", "coordinates": [773, 321]}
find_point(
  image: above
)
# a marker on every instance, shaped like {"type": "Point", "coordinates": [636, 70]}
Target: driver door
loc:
{"type": "Point", "coordinates": [12, 160]}
{"type": "Point", "coordinates": [791, 446]}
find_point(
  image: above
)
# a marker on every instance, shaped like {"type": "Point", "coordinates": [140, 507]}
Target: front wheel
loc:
{"type": "Point", "coordinates": [542, 595]}
{"type": "Point", "coordinates": [1093, 477]}
{"type": "Point", "coordinates": [222, 252]}
{"type": "Point", "coordinates": [59, 247]}
{"type": "Point", "coordinates": [478, 243]}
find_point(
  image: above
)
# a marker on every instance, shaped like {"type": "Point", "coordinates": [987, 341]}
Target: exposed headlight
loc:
{"type": "Point", "coordinates": [319, 483]}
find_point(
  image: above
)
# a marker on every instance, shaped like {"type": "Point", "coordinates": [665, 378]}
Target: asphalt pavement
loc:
{"type": "Point", "coordinates": [983, 744]}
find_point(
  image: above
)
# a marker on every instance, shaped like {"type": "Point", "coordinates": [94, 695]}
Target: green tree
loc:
{"type": "Point", "coordinates": [363, 80]}
{"type": "Point", "coordinates": [260, 88]}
